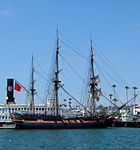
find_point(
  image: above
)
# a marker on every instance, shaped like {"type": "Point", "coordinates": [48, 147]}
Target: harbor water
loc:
{"type": "Point", "coordinates": [71, 139]}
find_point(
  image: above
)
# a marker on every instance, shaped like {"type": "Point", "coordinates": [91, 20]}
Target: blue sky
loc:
{"type": "Point", "coordinates": [29, 27]}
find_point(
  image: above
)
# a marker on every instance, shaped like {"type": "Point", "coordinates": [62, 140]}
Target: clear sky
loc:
{"type": "Point", "coordinates": [29, 27]}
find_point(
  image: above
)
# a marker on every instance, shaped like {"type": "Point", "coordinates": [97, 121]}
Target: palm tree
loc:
{"type": "Point", "coordinates": [114, 86]}
{"type": "Point", "coordinates": [114, 90]}
{"type": "Point", "coordinates": [127, 87]}
{"type": "Point", "coordinates": [110, 97]}
{"type": "Point", "coordinates": [135, 88]}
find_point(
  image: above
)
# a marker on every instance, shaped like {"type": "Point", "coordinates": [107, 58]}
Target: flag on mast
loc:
{"type": "Point", "coordinates": [17, 86]}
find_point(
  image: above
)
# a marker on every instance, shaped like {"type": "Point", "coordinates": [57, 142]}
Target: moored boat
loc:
{"type": "Point", "coordinates": [49, 122]}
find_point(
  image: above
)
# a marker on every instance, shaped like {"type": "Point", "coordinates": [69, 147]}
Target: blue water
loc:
{"type": "Point", "coordinates": [71, 139]}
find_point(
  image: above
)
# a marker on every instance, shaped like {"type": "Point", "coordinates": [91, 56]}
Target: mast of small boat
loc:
{"type": "Point", "coordinates": [32, 89]}
{"type": "Point", "coordinates": [56, 80]}
{"type": "Point", "coordinates": [92, 81]}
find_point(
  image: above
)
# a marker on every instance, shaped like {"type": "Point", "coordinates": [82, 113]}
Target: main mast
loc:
{"type": "Point", "coordinates": [32, 89]}
{"type": "Point", "coordinates": [56, 80]}
{"type": "Point", "coordinates": [92, 81]}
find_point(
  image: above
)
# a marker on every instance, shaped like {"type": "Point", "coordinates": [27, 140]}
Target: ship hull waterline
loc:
{"type": "Point", "coordinates": [58, 125]}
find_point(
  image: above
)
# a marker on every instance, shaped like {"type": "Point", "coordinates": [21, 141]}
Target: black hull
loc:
{"type": "Point", "coordinates": [30, 121]}
{"type": "Point", "coordinates": [129, 124]}
{"type": "Point", "coordinates": [31, 125]}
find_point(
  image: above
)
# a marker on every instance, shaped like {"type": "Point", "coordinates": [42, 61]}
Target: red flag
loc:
{"type": "Point", "coordinates": [17, 86]}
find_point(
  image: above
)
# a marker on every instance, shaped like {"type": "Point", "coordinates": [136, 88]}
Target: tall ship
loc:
{"type": "Point", "coordinates": [87, 117]}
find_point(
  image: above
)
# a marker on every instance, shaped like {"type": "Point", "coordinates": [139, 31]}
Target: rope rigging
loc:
{"type": "Point", "coordinates": [110, 65]}
{"type": "Point", "coordinates": [79, 54]}
{"type": "Point", "coordinates": [74, 49]}
{"type": "Point", "coordinates": [101, 56]}
{"type": "Point", "coordinates": [119, 79]}
{"type": "Point", "coordinates": [100, 67]}
{"type": "Point", "coordinates": [71, 67]}
{"type": "Point", "coordinates": [75, 99]}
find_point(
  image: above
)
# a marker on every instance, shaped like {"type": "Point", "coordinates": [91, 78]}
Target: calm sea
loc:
{"type": "Point", "coordinates": [71, 139]}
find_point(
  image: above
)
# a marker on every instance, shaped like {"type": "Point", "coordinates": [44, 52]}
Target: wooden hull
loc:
{"type": "Point", "coordinates": [30, 121]}
{"type": "Point", "coordinates": [55, 125]}
{"type": "Point", "coordinates": [75, 123]}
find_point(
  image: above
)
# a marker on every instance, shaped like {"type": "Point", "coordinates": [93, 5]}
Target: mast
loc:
{"type": "Point", "coordinates": [32, 89]}
{"type": "Point", "coordinates": [95, 92]}
{"type": "Point", "coordinates": [92, 81]}
{"type": "Point", "coordinates": [56, 80]}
